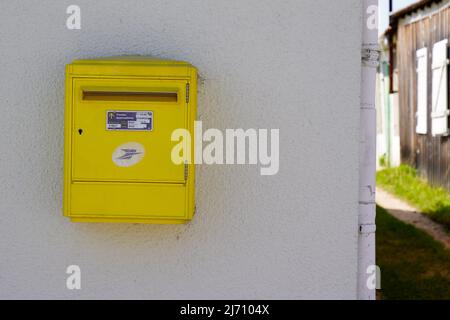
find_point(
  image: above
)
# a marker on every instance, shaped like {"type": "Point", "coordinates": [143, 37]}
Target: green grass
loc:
{"type": "Point", "coordinates": [404, 182]}
{"type": "Point", "coordinates": [413, 265]}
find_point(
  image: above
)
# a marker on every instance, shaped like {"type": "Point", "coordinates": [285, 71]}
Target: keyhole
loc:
{"type": "Point", "coordinates": [80, 131]}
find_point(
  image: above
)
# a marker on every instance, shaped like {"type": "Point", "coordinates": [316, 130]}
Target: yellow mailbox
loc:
{"type": "Point", "coordinates": [119, 117]}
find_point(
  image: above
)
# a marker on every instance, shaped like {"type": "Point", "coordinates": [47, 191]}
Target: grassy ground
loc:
{"type": "Point", "coordinates": [404, 183]}
{"type": "Point", "coordinates": [413, 265]}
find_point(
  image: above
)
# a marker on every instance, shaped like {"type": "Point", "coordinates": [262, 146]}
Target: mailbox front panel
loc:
{"type": "Point", "coordinates": [112, 137]}
{"type": "Point", "coordinates": [119, 118]}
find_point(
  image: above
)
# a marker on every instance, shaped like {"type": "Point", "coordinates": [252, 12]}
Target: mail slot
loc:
{"type": "Point", "coordinates": [119, 118]}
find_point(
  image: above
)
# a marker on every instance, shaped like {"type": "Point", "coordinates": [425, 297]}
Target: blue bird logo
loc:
{"type": "Point", "coordinates": [128, 154]}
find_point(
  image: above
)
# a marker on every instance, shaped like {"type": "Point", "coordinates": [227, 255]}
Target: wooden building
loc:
{"type": "Point", "coordinates": [417, 42]}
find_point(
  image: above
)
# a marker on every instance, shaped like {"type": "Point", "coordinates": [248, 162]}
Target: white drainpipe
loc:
{"type": "Point", "coordinates": [367, 162]}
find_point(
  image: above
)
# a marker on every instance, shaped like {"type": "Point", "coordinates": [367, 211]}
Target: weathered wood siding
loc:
{"type": "Point", "coordinates": [430, 155]}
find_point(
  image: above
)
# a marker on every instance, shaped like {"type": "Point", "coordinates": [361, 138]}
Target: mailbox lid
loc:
{"type": "Point", "coordinates": [137, 151]}
{"type": "Point", "coordinates": [132, 66]}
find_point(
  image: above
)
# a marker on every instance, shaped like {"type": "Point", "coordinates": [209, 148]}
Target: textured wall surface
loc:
{"type": "Point", "coordinates": [292, 65]}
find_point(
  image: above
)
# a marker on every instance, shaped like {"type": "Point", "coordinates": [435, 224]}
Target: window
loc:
{"type": "Point", "coordinates": [422, 94]}
{"type": "Point", "coordinates": [439, 111]}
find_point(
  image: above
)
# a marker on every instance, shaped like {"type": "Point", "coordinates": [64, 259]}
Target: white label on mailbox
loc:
{"type": "Point", "coordinates": [129, 120]}
{"type": "Point", "coordinates": [128, 154]}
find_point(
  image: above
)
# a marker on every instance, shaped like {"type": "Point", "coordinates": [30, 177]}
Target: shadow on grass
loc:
{"type": "Point", "coordinates": [413, 265]}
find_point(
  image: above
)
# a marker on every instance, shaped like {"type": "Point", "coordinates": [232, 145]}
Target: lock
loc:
{"type": "Point", "coordinates": [119, 116]}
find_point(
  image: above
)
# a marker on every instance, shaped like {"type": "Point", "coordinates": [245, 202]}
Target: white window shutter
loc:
{"type": "Point", "coordinates": [439, 112]}
{"type": "Point", "coordinates": [422, 94]}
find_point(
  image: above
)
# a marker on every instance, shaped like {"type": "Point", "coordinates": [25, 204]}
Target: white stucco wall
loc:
{"type": "Point", "coordinates": [292, 65]}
